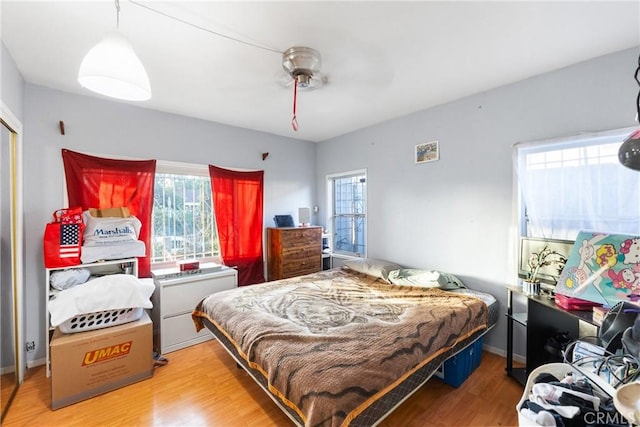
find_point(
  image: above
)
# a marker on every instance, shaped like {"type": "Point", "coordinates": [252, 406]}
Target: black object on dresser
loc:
{"type": "Point", "coordinates": [548, 329]}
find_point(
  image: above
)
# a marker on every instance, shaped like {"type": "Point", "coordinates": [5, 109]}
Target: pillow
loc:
{"type": "Point", "coordinates": [449, 281]}
{"type": "Point", "coordinates": [109, 230]}
{"type": "Point", "coordinates": [63, 279]}
{"type": "Point", "coordinates": [425, 279]}
{"type": "Point", "coordinates": [372, 267]}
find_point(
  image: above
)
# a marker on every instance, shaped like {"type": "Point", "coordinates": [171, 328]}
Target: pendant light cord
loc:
{"type": "Point", "coordinates": [159, 12]}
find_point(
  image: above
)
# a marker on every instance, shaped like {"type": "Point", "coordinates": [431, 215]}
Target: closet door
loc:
{"type": "Point", "coordinates": [11, 264]}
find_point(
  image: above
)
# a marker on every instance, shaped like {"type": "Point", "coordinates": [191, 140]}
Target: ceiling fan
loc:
{"type": "Point", "coordinates": [302, 64]}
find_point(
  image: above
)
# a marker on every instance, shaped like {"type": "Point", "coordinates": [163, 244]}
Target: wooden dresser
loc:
{"type": "Point", "coordinates": [293, 251]}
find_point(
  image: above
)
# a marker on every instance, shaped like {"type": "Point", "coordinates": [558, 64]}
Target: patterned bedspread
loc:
{"type": "Point", "coordinates": [330, 344]}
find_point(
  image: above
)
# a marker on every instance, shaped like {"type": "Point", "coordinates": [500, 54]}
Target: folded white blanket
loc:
{"type": "Point", "coordinates": [112, 292]}
{"type": "Point", "coordinates": [133, 248]}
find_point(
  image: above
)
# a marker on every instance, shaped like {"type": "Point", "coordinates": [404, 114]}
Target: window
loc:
{"type": "Point", "coordinates": [183, 219]}
{"type": "Point", "coordinates": [577, 183]}
{"type": "Point", "coordinates": [348, 207]}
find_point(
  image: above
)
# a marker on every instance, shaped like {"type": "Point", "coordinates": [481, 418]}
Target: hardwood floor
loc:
{"type": "Point", "coordinates": [201, 386]}
{"type": "Point", "coordinates": [7, 384]}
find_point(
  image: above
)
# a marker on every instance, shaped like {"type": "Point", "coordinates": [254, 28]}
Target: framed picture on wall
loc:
{"type": "Point", "coordinates": [427, 152]}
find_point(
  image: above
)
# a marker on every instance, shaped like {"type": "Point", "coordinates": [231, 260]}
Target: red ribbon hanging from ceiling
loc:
{"type": "Point", "coordinates": [294, 121]}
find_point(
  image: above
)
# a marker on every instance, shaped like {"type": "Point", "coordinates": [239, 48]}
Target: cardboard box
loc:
{"type": "Point", "coordinates": [86, 364]}
{"type": "Point", "coordinates": [110, 212]}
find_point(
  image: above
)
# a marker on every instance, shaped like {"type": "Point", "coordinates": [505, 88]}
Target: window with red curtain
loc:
{"type": "Point", "coordinates": [237, 203]}
{"type": "Point", "coordinates": [95, 182]}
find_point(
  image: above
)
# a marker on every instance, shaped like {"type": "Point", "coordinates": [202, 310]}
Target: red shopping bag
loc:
{"type": "Point", "coordinates": [63, 238]}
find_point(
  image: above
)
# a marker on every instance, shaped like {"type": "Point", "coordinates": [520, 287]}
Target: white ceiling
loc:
{"type": "Point", "coordinates": [382, 59]}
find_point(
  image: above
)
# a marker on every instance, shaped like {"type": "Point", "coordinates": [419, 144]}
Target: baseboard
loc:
{"type": "Point", "coordinates": [34, 363]}
{"type": "Point", "coordinates": [500, 352]}
{"type": "Point", "coordinates": [7, 370]}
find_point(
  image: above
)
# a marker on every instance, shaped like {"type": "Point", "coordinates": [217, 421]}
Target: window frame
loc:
{"type": "Point", "coordinates": [575, 141]}
{"type": "Point", "coordinates": [330, 221]}
{"type": "Point", "coordinates": [189, 169]}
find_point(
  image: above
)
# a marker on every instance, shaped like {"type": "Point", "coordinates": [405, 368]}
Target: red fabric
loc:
{"type": "Point", "coordinates": [237, 203]}
{"type": "Point", "coordinates": [95, 182]}
{"type": "Point", "coordinates": [62, 241]}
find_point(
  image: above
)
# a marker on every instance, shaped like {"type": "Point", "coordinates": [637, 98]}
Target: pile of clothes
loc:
{"type": "Point", "coordinates": [569, 401]}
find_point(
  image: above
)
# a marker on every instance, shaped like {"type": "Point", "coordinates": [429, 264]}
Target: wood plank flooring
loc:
{"type": "Point", "coordinates": [201, 386]}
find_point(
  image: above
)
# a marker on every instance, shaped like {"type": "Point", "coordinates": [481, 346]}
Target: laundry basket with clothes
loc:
{"type": "Point", "coordinates": [557, 394]}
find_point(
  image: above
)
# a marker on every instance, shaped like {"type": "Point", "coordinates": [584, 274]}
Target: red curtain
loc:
{"type": "Point", "coordinates": [94, 182]}
{"type": "Point", "coordinates": [237, 203]}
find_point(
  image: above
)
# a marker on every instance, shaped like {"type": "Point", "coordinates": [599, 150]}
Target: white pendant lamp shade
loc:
{"type": "Point", "coordinates": [112, 68]}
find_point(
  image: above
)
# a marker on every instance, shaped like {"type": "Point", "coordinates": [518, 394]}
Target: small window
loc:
{"type": "Point", "coordinates": [183, 220]}
{"type": "Point", "coordinates": [348, 222]}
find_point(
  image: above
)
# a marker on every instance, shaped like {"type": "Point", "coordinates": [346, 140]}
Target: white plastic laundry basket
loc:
{"type": "Point", "coordinates": [558, 370]}
{"type": "Point", "coordinates": [100, 319]}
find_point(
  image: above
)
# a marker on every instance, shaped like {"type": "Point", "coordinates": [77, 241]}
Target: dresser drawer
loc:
{"type": "Point", "coordinates": [179, 331]}
{"type": "Point", "coordinates": [301, 253]}
{"type": "Point", "coordinates": [301, 263]}
{"type": "Point", "coordinates": [300, 237]}
{"type": "Point", "coordinates": [308, 266]}
{"type": "Point", "coordinates": [182, 296]}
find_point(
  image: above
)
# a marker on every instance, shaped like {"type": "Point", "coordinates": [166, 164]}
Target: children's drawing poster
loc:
{"type": "Point", "coordinates": [603, 268]}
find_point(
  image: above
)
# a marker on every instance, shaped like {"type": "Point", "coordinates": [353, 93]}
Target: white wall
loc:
{"type": "Point", "coordinates": [102, 126]}
{"type": "Point", "coordinates": [456, 214]}
{"type": "Point", "coordinates": [11, 84]}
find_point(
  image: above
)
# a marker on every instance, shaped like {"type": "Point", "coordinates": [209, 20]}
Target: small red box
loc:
{"type": "Point", "coordinates": [188, 265]}
{"type": "Point", "coordinates": [576, 304]}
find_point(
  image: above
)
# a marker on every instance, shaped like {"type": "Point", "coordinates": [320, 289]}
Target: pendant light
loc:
{"type": "Point", "coordinates": [629, 152]}
{"type": "Point", "coordinates": [112, 68]}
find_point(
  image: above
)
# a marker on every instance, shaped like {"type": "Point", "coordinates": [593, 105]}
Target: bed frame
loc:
{"type": "Point", "coordinates": [379, 410]}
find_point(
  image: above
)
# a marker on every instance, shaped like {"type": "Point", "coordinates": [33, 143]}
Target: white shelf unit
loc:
{"type": "Point", "coordinates": [176, 295]}
{"type": "Point", "coordinates": [327, 251]}
{"type": "Point", "coordinates": [102, 268]}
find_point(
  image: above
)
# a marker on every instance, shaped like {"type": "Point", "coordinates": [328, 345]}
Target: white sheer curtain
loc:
{"type": "Point", "coordinates": [577, 183]}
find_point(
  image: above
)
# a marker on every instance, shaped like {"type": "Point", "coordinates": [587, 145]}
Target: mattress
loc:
{"type": "Point", "coordinates": [339, 347]}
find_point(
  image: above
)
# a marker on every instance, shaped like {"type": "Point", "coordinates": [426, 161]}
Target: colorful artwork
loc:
{"type": "Point", "coordinates": [427, 152]}
{"type": "Point", "coordinates": [603, 268]}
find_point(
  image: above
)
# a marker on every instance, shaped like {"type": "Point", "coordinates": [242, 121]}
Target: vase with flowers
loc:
{"type": "Point", "coordinates": [538, 260]}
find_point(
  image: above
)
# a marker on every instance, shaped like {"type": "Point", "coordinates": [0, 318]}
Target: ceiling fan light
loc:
{"type": "Point", "coordinates": [112, 68]}
{"type": "Point", "coordinates": [303, 80]}
{"type": "Point", "coordinates": [629, 152]}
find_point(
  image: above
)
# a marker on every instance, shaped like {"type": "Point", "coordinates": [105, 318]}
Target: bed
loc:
{"type": "Point", "coordinates": [341, 347]}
